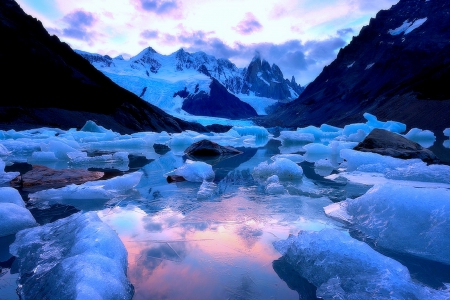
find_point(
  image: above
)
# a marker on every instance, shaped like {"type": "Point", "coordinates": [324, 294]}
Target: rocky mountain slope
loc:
{"type": "Point", "coordinates": [46, 83]}
{"type": "Point", "coordinates": [159, 78]}
{"type": "Point", "coordinates": [397, 68]}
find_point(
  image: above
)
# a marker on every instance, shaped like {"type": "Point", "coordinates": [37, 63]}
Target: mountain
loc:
{"type": "Point", "coordinates": [397, 68]}
{"type": "Point", "coordinates": [159, 78]}
{"type": "Point", "coordinates": [268, 81]}
{"type": "Point", "coordinates": [45, 83]}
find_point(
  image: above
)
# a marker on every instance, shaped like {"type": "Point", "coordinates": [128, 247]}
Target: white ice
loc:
{"type": "Point", "coordinates": [284, 168]}
{"type": "Point", "coordinates": [425, 138]}
{"type": "Point", "coordinates": [13, 214]}
{"type": "Point", "coordinates": [344, 268]}
{"type": "Point", "coordinates": [78, 257]}
{"type": "Point", "coordinates": [401, 218]}
{"type": "Point", "coordinates": [195, 171]}
{"type": "Point", "coordinates": [93, 190]}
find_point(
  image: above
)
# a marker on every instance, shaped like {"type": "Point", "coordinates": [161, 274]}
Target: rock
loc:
{"type": "Point", "coordinates": [161, 149]}
{"type": "Point", "coordinates": [217, 128]}
{"type": "Point", "coordinates": [175, 178]}
{"type": "Point", "coordinates": [218, 103]}
{"type": "Point", "coordinates": [208, 148]}
{"type": "Point", "coordinates": [41, 177]}
{"type": "Point", "coordinates": [391, 144]}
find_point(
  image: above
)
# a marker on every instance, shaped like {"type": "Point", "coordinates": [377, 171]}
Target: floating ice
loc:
{"type": "Point", "coordinates": [404, 219]}
{"type": "Point", "coordinates": [284, 168]}
{"type": "Point", "coordinates": [206, 190]}
{"type": "Point", "coordinates": [42, 156]}
{"type": "Point", "coordinates": [323, 167]}
{"type": "Point", "coordinates": [11, 195]}
{"type": "Point", "coordinates": [13, 214]}
{"type": "Point", "coordinates": [100, 189]}
{"type": "Point", "coordinates": [256, 131]}
{"type": "Point", "coordinates": [273, 186]}
{"type": "Point", "coordinates": [297, 158]}
{"type": "Point", "coordinates": [447, 132]}
{"type": "Point", "coordinates": [6, 176]}
{"type": "Point", "coordinates": [373, 162]}
{"type": "Point", "coordinates": [320, 134]}
{"type": "Point", "coordinates": [78, 257]}
{"type": "Point", "coordinates": [294, 137]}
{"type": "Point", "coordinates": [59, 148]}
{"type": "Point", "coordinates": [91, 126]}
{"type": "Point", "coordinates": [344, 268]}
{"type": "Point", "coordinates": [425, 138]}
{"type": "Point", "coordinates": [421, 172]}
{"type": "Point", "coordinates": [195, 171]}
{"type": "Point", "coordinates": [14, 218]}
{"type": "Point", "coordinates": [118, 160]}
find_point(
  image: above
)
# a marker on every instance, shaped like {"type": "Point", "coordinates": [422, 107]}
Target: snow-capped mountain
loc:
{"type": "Point", "coordinates": [397, 68]}
{"type": "Point", "coordinates": [48, 84]}
{"type": "Point", "coordinates": [178, 81]}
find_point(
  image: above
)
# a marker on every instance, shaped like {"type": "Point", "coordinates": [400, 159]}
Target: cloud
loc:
{"type": "Point", "coordinates": [248, 25]}
{"type": "Point", "coordinates": [161, 7]}
{"type": "Point", "coordinates": [344, 32]}
{"type": "Point", "coordinates": [304, 60]}
{"type": "Point", "coordinates": [149, 34]}
{"type": "Point", "coordinates": [79, 18]}
{"type": "Point", "coordinates": [79, 25]}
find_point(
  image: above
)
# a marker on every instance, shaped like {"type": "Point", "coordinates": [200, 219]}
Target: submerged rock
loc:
{"type": "Point", "coordinates": [41, 177]}
{"type": "Point", "coordinates": [383, 142]}
{"type": "Point", "coordinates": [208, 148]}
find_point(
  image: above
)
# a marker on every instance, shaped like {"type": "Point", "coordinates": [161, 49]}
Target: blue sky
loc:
{"type": "Point", "coordinates": [300, 36]}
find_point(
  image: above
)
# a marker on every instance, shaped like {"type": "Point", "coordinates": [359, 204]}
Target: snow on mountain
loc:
{"type": "Point", "coordinates": [168, 81]}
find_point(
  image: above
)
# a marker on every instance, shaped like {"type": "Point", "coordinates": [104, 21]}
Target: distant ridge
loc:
{"type": "Point", "coordinates": [397, 68]}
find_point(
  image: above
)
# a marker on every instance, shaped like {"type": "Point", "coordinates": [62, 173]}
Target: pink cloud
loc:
{"type": "Point", "coordinates": [79, 23]}
{"type": "Point", "coordinates": [248, 25]}
{"type": "Point", "coordinates": [149, 34]}
{"type": "Point", "coordinates": [160, 7]}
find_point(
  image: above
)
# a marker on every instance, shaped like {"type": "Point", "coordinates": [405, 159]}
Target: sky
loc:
{"type": "Point", "coordinates": [300, 36]}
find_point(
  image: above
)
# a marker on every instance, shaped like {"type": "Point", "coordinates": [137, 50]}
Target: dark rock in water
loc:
{"type": "Point", "coordinates": [175, 178]}
{"type": "Point", "coordinates": [391, 144]}
{"type": "Point", "coordinates": [218, 103]}
{"type": "Point", "coordinates": [63, 89]}
{"type": "Point", "coordinates": [41, 178]}
{"type": "Point", "coordinates": [161, 149]}
{"type": "Point", "coordinates": [208, 148]}
{"type": "Point", "coordinates": [217, 128]}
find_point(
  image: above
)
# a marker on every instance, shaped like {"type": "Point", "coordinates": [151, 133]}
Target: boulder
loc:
{"type": "Point", "coordinates": [41, 178]}
{"type": "Point", "coordinates": [391, 144]}
{"type": "Point", "coordinates": [207, 148]}
{"type": "Point", "coordinates": [175, 178]}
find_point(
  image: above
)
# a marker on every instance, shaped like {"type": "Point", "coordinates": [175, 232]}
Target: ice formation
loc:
{"type": "Point", "coordinates": [284, 168]}
{"type": "Point", "coordinates": [425, 138]}
{"type": "Point", "coordinates": [297, 158]}
{"type": "Point", "coordinates": [273, 186]}
{"type": "Point", "coordinates": [195, 171]}
{"type": "Point", "coordinates": [13, 214]}
{"type": "Point", "coordinates": [404, 219]}
{"type": "Point", "coordinates": [100, 189]}
{"type": "Point", "coordinates": [78, 257]}
{"type": "Point", "coordinates": [344, 268]}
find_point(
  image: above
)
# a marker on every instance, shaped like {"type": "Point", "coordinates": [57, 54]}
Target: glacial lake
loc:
{"type": "Point", "coordinates": [182, 246]}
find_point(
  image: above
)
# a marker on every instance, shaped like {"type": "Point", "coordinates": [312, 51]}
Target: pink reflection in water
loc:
{"type": "Point", "coordinates": [222, 250]}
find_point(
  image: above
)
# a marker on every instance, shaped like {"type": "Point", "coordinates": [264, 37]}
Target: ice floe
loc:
{"type": "Point", "coordinates": [78, 257]}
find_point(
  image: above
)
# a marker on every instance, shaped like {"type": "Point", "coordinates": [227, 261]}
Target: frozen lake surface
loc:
{"type": "Point", "coordinates": [256, 230]}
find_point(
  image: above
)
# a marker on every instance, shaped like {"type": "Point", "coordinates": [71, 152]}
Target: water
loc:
{"type": "Point", "coordinates": [180, 247]}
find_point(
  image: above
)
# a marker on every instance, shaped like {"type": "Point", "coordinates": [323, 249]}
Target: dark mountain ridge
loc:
{"type": "Point", "coordinates": [46, 83]}
{"type": "Point", "coordinates": [397, 68]}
